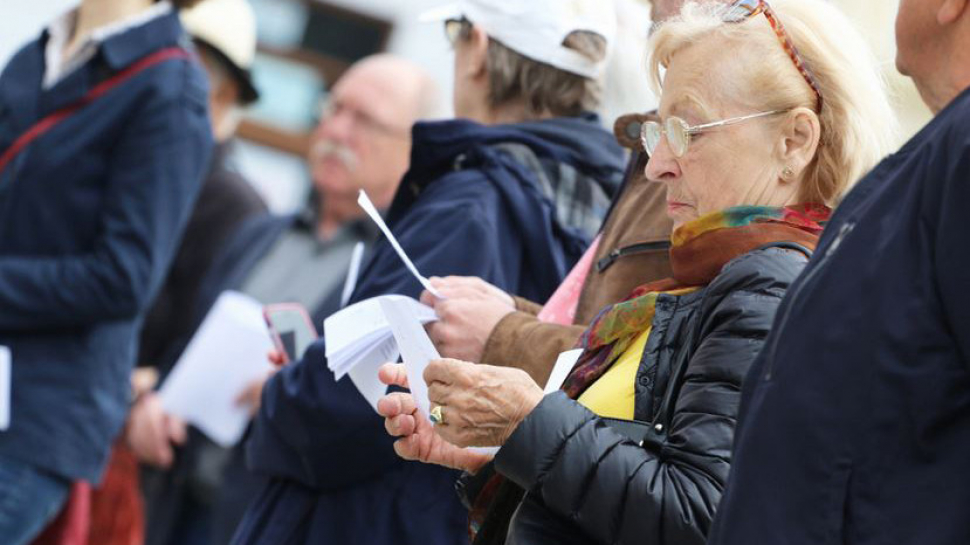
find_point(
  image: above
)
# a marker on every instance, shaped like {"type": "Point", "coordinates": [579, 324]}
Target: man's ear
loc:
{"type": "Point", "coordinates": [477, 66]}
{"type": "Point", "coordinates": [951, 11]}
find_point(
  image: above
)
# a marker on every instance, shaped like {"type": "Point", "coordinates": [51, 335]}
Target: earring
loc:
{"type": "Point", "coordinates": [787, 173]}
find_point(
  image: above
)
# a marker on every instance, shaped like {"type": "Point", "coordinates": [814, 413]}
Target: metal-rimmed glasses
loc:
{"type": "Point", "coordinates": [742, 10]}
{"type": "Point", "coordinates": [679, 133]}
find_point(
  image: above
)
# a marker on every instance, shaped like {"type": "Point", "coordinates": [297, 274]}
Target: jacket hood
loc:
{"type": "Point", "coordinates": [555, 177]}
{"type": "Point", "coordinates": [580, 142]}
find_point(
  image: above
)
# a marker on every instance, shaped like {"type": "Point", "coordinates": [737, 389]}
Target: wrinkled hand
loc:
{"type": "Point", "coordinates": [481, 404]}
{"type": "Point", "coordinates": [470, 310]}
{"type": "Point", "coordinates": [151, 433]}
{"type": "Point", "coordinates": [252, 394]}
{"type": "Point", "coordinates": [418, 441]}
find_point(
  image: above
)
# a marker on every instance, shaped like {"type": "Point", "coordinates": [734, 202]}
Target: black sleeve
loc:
{"type": "Point", "coordinates": [662, 493]}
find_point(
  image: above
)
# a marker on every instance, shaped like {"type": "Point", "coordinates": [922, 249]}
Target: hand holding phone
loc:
{"type": "Point", "coordinates": [291, 329]}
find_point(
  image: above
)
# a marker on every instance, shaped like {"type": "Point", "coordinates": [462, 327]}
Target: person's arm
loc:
{"type": "Point", "coordinates": [952, 251]}
{"type": "Point", "coordinates": [521, 340]}
{"type": "Point", "coordinates": [666, 492]}
{"type": "Point", "coordinates": [152, 181]}
{"type": "Point", "coordinates": [529, 307]}
{"type": "Point", "coordinates": [310, 425]}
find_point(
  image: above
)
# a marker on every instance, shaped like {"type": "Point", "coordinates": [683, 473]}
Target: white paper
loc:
{"type": "Point", "coordinates": [417, 350]}
{"type": "Point", "coordinates": [364, 377]}
{"type": "Point", "coordinates": [564, 364]}
{"type": "Point", "coordinates": [350, 284]}
{"type": "Point", "coordinates": [227, 353]}
{"type": "Point", "coordinates": [364, 201]}
{"type": "Point", "coordinates": [5, 387]}
{"type": "Point", "coordinates": [359, 334]}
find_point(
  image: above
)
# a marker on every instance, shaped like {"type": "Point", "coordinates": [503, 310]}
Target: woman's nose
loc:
{"type": "Point", "coordinates": [662, 165]}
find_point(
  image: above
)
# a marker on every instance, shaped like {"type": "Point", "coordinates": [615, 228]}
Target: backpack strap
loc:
{"type": "Point", "coordinates": [43, 126]}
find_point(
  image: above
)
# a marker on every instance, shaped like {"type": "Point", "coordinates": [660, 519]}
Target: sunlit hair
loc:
{"type": "Point", "coordinates": [858, 125]}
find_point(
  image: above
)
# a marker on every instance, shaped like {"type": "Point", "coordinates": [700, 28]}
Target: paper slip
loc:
{"type": "Point", "coordinates": [417, 351]}
{"type": "Point", "coordinates": [227, 353]}
{"type": "Point", "coordinates": [564, 364]}
{"type": "Point", "coordinates": [360, 334]}
{"type": "Point", "coordinates": [364, 201]}
{"type": "Point", "coordinates": [5, 387]}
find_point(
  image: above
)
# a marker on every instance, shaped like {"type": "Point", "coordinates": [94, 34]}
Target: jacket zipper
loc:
{"type": "Point", "coordinates": [795, 296]}
{"type": "Point", "coordinates": [617, 253]}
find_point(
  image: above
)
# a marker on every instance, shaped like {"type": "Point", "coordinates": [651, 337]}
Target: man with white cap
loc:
{"type": "Point", "coordinates": [511, 192]}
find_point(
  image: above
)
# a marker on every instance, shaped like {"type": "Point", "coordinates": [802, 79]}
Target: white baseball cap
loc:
{"type": "Point", "coordinates": [229, 28]}
{"type": "Point", "coordinates": [537, 28]}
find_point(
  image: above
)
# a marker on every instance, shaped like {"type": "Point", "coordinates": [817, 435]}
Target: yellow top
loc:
{"type": "Point", "coordinates": [612, 396]}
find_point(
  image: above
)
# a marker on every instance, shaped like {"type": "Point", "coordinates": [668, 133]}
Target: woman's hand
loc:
{"type": "Point", "coordinates": [481, 405]}
{"type": "Point", "coordinates": [470, 310]}
{"type": "Point", "coordinates": [418, 441]}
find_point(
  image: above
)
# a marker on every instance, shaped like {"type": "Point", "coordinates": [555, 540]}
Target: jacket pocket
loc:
{"type": "Point", "coordinates": [633, 249]}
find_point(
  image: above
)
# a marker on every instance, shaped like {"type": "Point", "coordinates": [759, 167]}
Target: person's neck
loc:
{"type": "Point", "coordinates": [94, 14]}
{"type": "Point", "coordinates": [949, 79]}
{"type": "Point", "coordinates": [507, 114]}
{"type": "Point", "coordinates": [334, 212]}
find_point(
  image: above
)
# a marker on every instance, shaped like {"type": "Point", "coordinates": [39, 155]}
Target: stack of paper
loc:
{"type": "Point", "coordinates": [360, 333]}
{"type": "Point", "coordinates": [227, 353]}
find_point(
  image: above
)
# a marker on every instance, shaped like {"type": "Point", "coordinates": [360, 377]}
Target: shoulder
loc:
{"type": "Point", "coordinates": [769, 270]}
{"type": "Point", "coordinates": [178, 82]}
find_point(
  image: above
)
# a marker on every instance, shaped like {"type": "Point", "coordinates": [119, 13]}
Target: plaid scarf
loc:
{"type": "Point", "coordinates": [700, 250]}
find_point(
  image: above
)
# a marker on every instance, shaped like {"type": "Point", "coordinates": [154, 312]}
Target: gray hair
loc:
{"type": "Point", "coordinates": [544, 89]}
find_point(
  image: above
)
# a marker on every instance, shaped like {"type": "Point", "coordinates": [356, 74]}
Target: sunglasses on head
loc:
{"type": "Point", "coordinates": [742, 10]}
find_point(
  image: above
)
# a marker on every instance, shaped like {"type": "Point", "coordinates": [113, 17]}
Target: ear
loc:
{"type": "Point", "coordinates": [801, 136]}
{"type": "Point", "coordinates": [950, 11]}
{"type": "Point", "coordinates": [477, 43]}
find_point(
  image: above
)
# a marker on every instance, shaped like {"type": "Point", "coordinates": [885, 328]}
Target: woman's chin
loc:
{"type": "Point", "coordinates": [681, 214]}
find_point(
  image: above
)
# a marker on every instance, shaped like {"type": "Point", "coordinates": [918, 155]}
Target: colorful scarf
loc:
{"type": "Point", "coordinates": [699, 251]}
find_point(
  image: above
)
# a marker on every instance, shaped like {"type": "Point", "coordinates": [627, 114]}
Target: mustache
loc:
{"type": "Point", "coordinates": [326, 149]}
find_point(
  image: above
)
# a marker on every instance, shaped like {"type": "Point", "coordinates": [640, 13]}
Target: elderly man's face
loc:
{"type": "Point", "coordinates": [363, 140]}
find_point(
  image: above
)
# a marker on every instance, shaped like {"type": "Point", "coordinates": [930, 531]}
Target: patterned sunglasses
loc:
{"type": "Point", "coordinates": [742, 10]}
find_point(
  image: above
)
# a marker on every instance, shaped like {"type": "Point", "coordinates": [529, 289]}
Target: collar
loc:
{"type": "Point", "coordinates": [120, 44]}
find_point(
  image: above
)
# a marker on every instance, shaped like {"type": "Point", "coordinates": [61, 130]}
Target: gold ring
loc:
{"type": "Point", "coordinates": [436, 416]}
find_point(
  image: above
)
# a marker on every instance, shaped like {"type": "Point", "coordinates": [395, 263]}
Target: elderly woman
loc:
{"type": "Point", "coordinates": [767, 118]}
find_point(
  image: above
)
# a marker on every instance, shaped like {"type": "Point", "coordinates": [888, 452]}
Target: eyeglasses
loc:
{"type": "Point", "coordinates": [457, 29]}
{"type": "Point", "coordinates": [679, 133]}
{"type": "Point", "coordinates": [742, 10]}
{"type": "Point", "coordinates": [331, 109]}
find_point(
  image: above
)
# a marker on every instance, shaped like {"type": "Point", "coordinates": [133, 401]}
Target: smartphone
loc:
{"type": "Point", "coordinates": [291, 329]}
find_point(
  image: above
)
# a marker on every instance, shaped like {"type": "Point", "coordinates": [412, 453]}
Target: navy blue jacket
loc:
{"type": "Point", "coordinates": [855, 419]}
{"type": "Point", "coordinates": [464, 208]}
{"type": "Point", "coordinates": [90, 217]}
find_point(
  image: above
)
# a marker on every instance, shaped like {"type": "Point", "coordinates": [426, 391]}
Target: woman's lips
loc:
{"type": "Point", "coordinates": [673, 206]}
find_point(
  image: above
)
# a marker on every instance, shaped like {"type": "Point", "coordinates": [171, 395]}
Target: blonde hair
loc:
{"type": "Point", "coordinates": [858, 125]}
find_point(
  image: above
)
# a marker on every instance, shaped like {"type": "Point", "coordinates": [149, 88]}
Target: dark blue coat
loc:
{"type": "Point", "coordinates": [90, 216]}
{"type": "Point", "coordinates": [464, 208]}
{"type": "Point", "coordinates": [855, 419]}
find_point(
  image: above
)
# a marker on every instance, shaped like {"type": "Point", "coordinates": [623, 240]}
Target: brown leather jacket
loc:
{"type": "Point", "coordinates": [633, 251]}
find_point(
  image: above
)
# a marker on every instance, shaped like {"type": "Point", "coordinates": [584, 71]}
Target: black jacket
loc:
{"type": "Point", "coordinates": [588, 483]}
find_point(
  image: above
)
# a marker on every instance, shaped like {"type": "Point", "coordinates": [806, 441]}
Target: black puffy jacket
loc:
{"type": "Point", "coordinates": [585, 482]}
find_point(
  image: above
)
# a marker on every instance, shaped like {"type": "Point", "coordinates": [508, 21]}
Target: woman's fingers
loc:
{"type": "Point", "coordinates": [395, 404]}
{"type": "Point", "coordinates": [393, 374]}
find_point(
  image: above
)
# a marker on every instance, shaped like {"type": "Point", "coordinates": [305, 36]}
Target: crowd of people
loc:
{"type": "Point", "coordinates": [766, 297]}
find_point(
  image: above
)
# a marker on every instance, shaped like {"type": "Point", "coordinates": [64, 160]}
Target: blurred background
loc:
{"type": "Point", "coordinates": [307, 44]}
